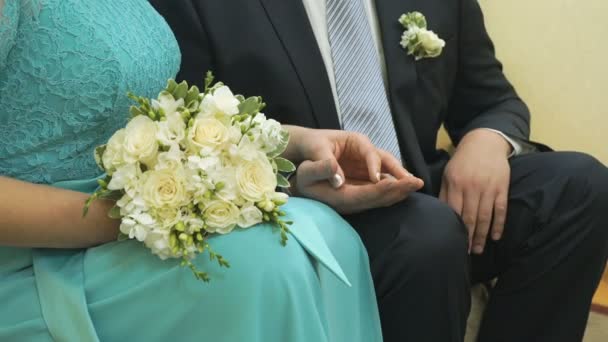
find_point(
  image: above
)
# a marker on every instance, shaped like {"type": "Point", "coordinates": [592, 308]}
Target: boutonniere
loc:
{"type": "Point", "coordinates": [417, 40]}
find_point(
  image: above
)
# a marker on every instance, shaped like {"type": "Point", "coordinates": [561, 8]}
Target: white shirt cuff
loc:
{"type": "Point", "coordinates": [517, 148]}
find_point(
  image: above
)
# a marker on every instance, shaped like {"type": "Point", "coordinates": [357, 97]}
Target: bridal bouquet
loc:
{"type": "Point", "coordinates": [191, 164]}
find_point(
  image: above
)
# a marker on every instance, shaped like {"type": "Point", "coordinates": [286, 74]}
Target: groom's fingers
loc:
{"type": "Point", "coordinates": [360, 196]}
{"type": "Point", "coordinates": [382, 194]}
{"type": "Point", "coordinates": [362, 148]}
{"type": "Point", "coordinates": [392, 165]}
{"type": "Point", "coordinates": [374, 164]}
{"type": "Point", "coordinates": [394, 168]}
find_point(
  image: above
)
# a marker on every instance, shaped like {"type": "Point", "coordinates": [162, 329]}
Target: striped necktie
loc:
{"type": "Point", "coordinates": [362, 96]}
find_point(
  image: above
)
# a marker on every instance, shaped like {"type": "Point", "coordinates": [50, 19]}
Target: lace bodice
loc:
{"type": "Point", "coordinates": [65, 69]}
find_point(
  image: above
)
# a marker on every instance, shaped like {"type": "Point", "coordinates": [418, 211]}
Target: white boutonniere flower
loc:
{"type": "Point", "coordinates": [417, 39]}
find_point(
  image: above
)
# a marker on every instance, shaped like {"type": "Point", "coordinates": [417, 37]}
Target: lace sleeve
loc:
{"type": "Point", "coordinates": [9, 18]}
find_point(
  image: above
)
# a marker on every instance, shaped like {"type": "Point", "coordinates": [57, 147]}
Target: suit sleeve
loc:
{"type": "Point", "coordinates": [482, 96]}
{"type": "Point", "coordinates": [183, 16]}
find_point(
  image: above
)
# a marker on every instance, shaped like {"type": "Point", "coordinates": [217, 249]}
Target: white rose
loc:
{"type": "Point", "coordinates": [207, 133]}
{"type": "Point", "coordinates": [221, 103]}
{"type": "Point", "coordinates": [164, 188]}
{"type": "Point", "coordinates": [167, 103]}
{"type": "Point", "coordinates": [221, 216]}
{"type": "Point", "coordinates": [140, 141]}
{"type": "Point", "coordinates": [167, 217]}
{"type": "Point", "coordinates": [256, 178]}
{"type": "Point", "coordinates": [431, 43]}
{"type": "Point", "coordinates": [172, 131]}
{"type": "Point", "coordinates": [250, 216]}
{"type": "Point", "coordinates": [112, 156]}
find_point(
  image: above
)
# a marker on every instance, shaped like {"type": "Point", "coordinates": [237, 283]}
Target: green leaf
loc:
{"type": "Point", "coordinates": [193, 95]}
{"type": "Point", "coordinates": [112, 195]}
{"type": "Point", "coordinates": [114, 213]}
{"type": "Point", "coordinates": [135, 111]}
{"type": "Point", "coordinates": [284, 165]}
{"type": "Point", "coordinates": [171, 85]}
{"type": "Point", "coordinates": [181, 91]}
{"type": "Point", "coordinates": [208, 80]}
{"type": "Point", "coordinates": [413, 19]}
{"type": "Point", "coordinates": [250, 106]}
{"type": "Point", "coordinates": [282, 182]}
{"type": "Point", "coordinates": [87, 204]}
{"type": "Point", "coordinates": [99, 150]}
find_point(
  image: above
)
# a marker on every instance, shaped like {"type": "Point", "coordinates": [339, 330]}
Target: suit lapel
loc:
{"type": "Point", "coordinates": [402, 83]}
{"type": "Point", "coordinates": [291, 24]}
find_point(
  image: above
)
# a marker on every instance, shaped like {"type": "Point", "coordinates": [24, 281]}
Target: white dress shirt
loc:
{"type": "Point", "coordinates": [317, 15]}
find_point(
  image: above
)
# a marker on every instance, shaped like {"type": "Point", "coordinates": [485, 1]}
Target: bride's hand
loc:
{"type": "Point", "coordinates": [347, 172]}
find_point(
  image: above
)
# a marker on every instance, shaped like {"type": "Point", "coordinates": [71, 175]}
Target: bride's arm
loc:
{"type": "Point", "coordinates": [33, 215]}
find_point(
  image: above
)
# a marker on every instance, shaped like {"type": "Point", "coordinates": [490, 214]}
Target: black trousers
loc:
{"type": "Point", "coordinates": [548, 263]}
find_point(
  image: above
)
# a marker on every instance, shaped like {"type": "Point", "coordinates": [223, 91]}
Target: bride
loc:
{"type": "Point", "coordinates": [65, 66]}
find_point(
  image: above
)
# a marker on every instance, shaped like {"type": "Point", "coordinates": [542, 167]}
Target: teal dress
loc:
{"type": "Point", "coordinates": [65, 67]}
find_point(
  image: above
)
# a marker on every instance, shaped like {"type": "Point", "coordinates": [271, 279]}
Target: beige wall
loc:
{"type": "Point", "coordinates": [556, 54]}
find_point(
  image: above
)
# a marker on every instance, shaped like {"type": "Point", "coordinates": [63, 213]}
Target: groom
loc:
{"type": "Point", "coordinates": [499, 207]}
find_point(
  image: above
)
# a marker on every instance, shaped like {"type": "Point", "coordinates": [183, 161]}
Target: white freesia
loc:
{"type": "Point", "coordinates": [197, 169]}
{"type": "Point", "coordinates": [229, 190]}
{"type": "Point", "coordinates": [164, 188]}
{"type": "Point", "coordinates": [280, 198]}
{"type": "Point", "coordinates": [245, 150]}
{"type": "Point", "coordinates": [126, 177]}
{"type": "Point", "coordinates": [167, 103]}
{"type": "Point", "coordinates": [221, 216]}
{"type": "Point", "coordinates": [194, 223]}
{"type": "Point", "coordinates": [250, 216]}
{"type": "Point", "coordinates": [158, 242]}
{"type": "Point", "coordinates": [255, 178]}
{"type": "Point", "coordinates": [171, 131]}
{"type": "Point", "coordinates": [137, 226]}
{"type": "Point", "coordinates": [171, 159]}
{"type": "Point", "coordinates": [220, 102]}
{"type": "Point", "coordinates": [267, 134]}
{"type": "Point", "coordinates": [112, 157]}
{"type": "Point", "coordinates": [272, 135]}
{"type": "Point", "coordinates": [140, 144]}
{"type": "Point", "coordinates": [130, 206]}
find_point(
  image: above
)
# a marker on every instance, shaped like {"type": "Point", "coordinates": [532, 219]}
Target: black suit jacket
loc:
{"type": "Point", "coordinates": [267, 48]}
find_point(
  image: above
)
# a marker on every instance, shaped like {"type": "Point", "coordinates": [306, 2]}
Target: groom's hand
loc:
{"type": "Point", "coordinates": [347, 172]}
{"type": "Point", "coordinates": [476, 185]}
